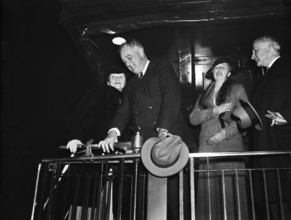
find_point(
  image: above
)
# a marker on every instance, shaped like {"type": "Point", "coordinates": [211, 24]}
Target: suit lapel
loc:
{"type": "Point", "coordinates": [146, 79]}
{"type": "Point", "coordinates": [264, 85]}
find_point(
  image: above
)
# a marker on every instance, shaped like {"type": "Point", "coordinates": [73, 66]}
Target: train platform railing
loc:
{"type": "Point", "coordinates": [224, 185]}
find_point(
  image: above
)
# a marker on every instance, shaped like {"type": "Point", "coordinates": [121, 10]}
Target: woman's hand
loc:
{"type": "Point", "coordinates": [224, 107]}
{"type": "Point", "coordinates": [218, 137]}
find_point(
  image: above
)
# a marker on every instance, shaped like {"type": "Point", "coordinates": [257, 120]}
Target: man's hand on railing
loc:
{"type": "Point", "coordinates": [108, 143]}
{"type": "Point", "coordinates": [72, 145]}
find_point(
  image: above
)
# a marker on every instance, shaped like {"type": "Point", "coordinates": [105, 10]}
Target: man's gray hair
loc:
{"type": "Point", "coordinates": [271, 42]}
{"type": "Point", "coordinates": [131, 43]}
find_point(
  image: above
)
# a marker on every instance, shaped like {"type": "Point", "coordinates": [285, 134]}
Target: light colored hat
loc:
{"type": "Point", "coordinates": [247, 116]}
{"type": "Point", "coordinates": [164, 157]}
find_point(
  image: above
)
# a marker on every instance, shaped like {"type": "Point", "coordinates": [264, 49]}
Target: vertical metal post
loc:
{"type": "Point", "coordinates": [181, 195]}
{"type": "Point", "coordinates": [266, 194]}
{"type": "Point", "coordinates": [35, 191]}
{"type": "Point", "coordinates": [192, 188]}
{"type": "Point", "coordinates": [280, 194]}
{"type": "Point", "coordinates": [238, 195]}
{"type": "Point", "coordinates": [136, 168]}
{"type": "Point", "coordinates": [224, 196]}
{"type": "Point", "coordinates": [209, 190]}
{"type": "Point", "coordinates": [120, 189]}
{"type": "Point", "coordinates": [157, 198]}
{"type": "Point", "coordinates": [252, 195]}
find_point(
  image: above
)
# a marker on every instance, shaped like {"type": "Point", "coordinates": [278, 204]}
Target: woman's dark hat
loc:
{"type": "Point", "coordinates": [209, 73]}
{"type": "Point", "coordinates": [115, 70]}
{"type": "Point", "coordinates": [164, 157]}
{"type": "Point", "coordinates": [247, 116]}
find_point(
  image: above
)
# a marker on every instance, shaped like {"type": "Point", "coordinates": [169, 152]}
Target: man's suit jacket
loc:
{"type": "Point", "coordinates": [153, 102]}
{"type": "Point", "coordinates": [274, 93]}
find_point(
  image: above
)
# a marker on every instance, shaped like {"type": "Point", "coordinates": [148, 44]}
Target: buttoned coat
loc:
{"type": "Point", "coordinates": [210, 123]}
{"type": "Point", "coordinates": [153, 102]}
{"type": "Point", "coordinates": [273, 93]}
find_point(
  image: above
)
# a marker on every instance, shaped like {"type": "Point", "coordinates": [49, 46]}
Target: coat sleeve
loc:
{"type": "Point", "coordinates": [238, 94]}
{"type": "Point", "coordinates": [281, 98]}
{"type": "Point", "coordinates": [122, 115]}
{"type": "Point", "coordinates": [198, 116]}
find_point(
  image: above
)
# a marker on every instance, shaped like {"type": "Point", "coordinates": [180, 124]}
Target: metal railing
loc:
{"type": "Point", "coordinates": [225, 186]}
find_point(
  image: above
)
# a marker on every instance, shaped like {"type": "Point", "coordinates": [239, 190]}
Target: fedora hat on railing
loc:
{"type": "Point", "coordinates": [164, 157]}
{"type": "Point", "coordinates": [247, 116]}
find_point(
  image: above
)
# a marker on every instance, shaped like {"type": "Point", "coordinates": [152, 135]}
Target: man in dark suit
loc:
{"type": "Point", "coordinates": [272, 100]}
{"type": "Point", "coordinates": [151, 101]}
{"type": "Point", "coordinates": [152, 104]}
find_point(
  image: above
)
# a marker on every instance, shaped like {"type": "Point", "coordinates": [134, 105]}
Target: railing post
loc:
{"type": "Point", "coordinates": [157, 198]}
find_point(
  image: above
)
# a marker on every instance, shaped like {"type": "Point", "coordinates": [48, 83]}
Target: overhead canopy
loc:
{"type": "Point", "coordinates": [118, 16]}
{"type": "Point", "coordinates": [93, 23]}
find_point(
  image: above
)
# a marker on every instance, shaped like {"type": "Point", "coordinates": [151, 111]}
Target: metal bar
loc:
{"type": "Point", "coordinates": [99, 206]}
{"type": "Point", "coordinates": [252, 194]}
{"type": "Point", "coordinates": [239, 154]}
{"type": "Point", "coordinates": [42, 205]}
{"type": "Point", "coordinates": [99, 159]}
{"type": "Point", "coordinates": [136, 167]}
{"type": "Point", "coordinates": [224, 195]}
{"type": "Point", "coordinates": [35, 191]}
{"type": "Point", "coordinates": [50, 199]}
{"type": "Point", "coordinates": [120, 189]}
{"type": "Point", "coordinates": [280, 195]}
{"type": "Point", "coordinates": [131, 197]}
{"type": "Point", "coordinates": [144, 185]}
{"type": "Point", "coordinates": [181, 195]}
{"type": "Point", "coordinates": [94, 203]}
{"type": "Point", "coordinates": [94, 159]}
{"type": "Point", "coordinates": [65, 211]}
{"type": "Point", "coordinates": [266, 194]}
{"type": "Point", "coordinates": [192, 190]}
{"type": "Point", "coordinates": [85, 205]}
{"type": "Point", "coordinates": [209, 190]}
{"type": "Point", "coordinates": [76, 195]}
{"type": "Point", "coordinates": [157, 198]}
{"type": "Point", "coordinates": [238, 195]}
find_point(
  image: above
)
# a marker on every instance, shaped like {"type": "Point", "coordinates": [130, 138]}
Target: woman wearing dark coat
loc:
{"type": "Point", "coordinates": [219, 133]}
{"type": "Point", "coordinates": [93, 115]}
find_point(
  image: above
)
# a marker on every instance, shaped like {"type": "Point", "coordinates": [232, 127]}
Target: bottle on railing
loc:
{"type": "Point", "coordinates": [137, 142]}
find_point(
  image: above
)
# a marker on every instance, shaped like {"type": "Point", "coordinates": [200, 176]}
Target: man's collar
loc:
{"type": "Point", "coordinates": [145, 67]}
{"type": "Point", "coordinates": [273, 61]}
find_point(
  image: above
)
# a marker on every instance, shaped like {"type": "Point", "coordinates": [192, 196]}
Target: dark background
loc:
{"type": "Point", "coordinates": [43, 76]}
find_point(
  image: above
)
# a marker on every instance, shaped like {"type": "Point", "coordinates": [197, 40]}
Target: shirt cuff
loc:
{"type": "Point", "coordinates": [114, 129]}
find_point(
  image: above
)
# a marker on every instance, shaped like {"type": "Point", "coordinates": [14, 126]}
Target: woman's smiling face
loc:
{"type": "Point", "coordinates": [221, 72]}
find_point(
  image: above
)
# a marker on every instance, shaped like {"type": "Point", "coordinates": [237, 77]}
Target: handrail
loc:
{"type": "Point", "coordinates": [191, 155]}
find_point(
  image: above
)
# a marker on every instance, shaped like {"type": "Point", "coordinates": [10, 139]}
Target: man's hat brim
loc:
{"type": "Point", "coordinates": [247, 116]}
{"type": "Point", "coordinates": [146, 157]}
